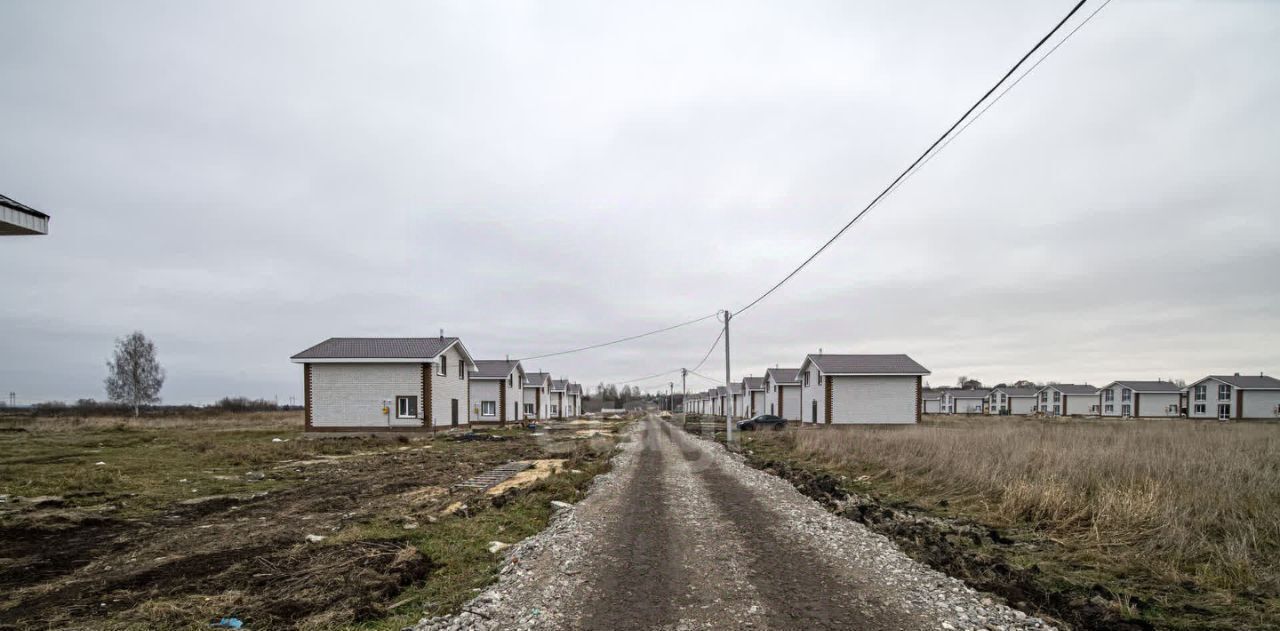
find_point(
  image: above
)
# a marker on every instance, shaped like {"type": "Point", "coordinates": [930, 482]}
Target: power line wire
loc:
{"type": "Point", "coordinates": [1006, 90]}
{"type": "Point", "coordinates": [623, 339]}
{"type": "Point", "coordinates": [917, 161]}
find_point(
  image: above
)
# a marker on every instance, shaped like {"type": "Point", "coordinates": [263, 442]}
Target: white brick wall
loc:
{"type": "Point", "coordinates": [873, 400]}
{"type": "Point", "coordinates": [486, 390]}
{"type": "Point", "coordinates": [352, 395]}
{"type": "Point", "coordinates": [1261, 403]}
{"type": "Point", "coordinates": [531, 396]}
{"type": "Point", "coordinates": [448, 388]}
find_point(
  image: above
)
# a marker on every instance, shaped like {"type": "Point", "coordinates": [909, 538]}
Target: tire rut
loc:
{"type": "Point", "coordinates": [640, 581]}
{"type": "Point", "coordinates": [808, 595]}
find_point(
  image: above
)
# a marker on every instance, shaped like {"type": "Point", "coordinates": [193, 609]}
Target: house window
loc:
{"type": "Point", "coordinates": [1126, 395]}
{"type": "Point", "coordinates": [1201, 392]}
{"type": "Point", "coordinates": [488, 408]}
{"type": "Point", "coordinates": [528, 408]}
{"type": "Point", "coordinates": [1224, 392]}
{"type": "Point", "coordinates": [1044, 397]}
{"type": "Point", "coordinates": [1057, 409]}
{"type": "Point", "coordinates": [462, 370]}
{"type": "Point", "coordinates": [1199, 408]}
{"type": "Point", "coordinates": [1125, 410]}
{"type": "Point", "coordinates": [1108, 395]}
{"type": "Point", "coordinates": [555, 410]}
{"type": "Point", "coordinates": [1224, 411]}
{"type": "Point", "coordinates": [1057, 396]}
{"type": "Point", "coordinates": [806, 379]}
{"type": "Point", "coordinates": [511, 381]}
{"type": "Point", "coordinates": [442, 368]}
{"type": "Point", "coordinates": [406, 407]}
{"type": "Point", "coordinates": [1110, 408]}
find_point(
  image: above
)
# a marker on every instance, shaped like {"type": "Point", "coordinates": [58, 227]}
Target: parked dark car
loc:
{"type": "Point", "coordinates": [762, 421]}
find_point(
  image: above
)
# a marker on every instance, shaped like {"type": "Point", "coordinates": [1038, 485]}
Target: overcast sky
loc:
{"type": "Point", "coordinates": [241, 180]}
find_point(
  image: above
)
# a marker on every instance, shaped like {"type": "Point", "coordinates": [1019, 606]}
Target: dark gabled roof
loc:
{"type": "Point", "coordinates": [969, 393]}
{"type": "Point", "coordinates": [575, 388]}
{"type": "Point", "coordinates": [536, 379]}
{"type": "Point", "coordinates": [1017, 392]}
{"type": "Point", "coordinates": [1071, 388]}
{"type": "Point", "coordinates": [784, 376]}
{"type": "Point", "coordinates": [1150, 386]}
{"type": "Point", "coordinates": [867, 365]}
{"type": "Point", "coordinates": [720, 391]}
{"type": "Point", "coordinates": [753, 383]}
{"type": "Point", "coordinates": [1248, 382]}
{"type": "Point", "coordinates": [735, 388]}
{"type": "Point", "coordinates": [378, 348]}
{"type": "Point", "coordinates": [559, 384]}
{"type": "Point", "coordinates": [494, 368]}
{"type": "Point", "coordinates": [21, 207]}
{"type": "Point", "coordinates": [930, 393]}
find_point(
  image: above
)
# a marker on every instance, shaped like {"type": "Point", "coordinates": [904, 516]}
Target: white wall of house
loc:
{"type": "Point", "coordinates": [811, 395]}
{"type": "Point", "coordinates": [539, 408]}
{"type": "Point", "coordinates": [1208, 406]}
{"type": "Point", "coordinates": [451, 387]}
{"type": "Point", "coordinates": [757, 403]}
{"type": "Point", "coordinates": [483, 390]}
{"type": "Point", "coordinates": [966, 405]}
{"type": "Point", "coordinates": [515, 396]}
{"type": "Point", "coordinates": [353, 395]}
{"type": "Point", "coordinates": [1021, 405]}
{"type": "Point", "coordinates": [1080, 404]}
{"type": "Point", "coordinates": [873, 399]}
{"type": "Point", "coordinates": [1260, 404]}
{"type": "Point", "coordinates": [1148, 404]}
{"type": "Point", "coordinates": [931, 406]}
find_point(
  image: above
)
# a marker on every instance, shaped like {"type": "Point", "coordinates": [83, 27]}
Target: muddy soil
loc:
{"type": "Point", "coordinates": [975, 553]}
{"type": "Point", "coordinates": [244, 556]}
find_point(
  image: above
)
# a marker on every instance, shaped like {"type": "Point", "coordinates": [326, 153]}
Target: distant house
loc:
{"type": "Point", "coordinates": [559, 392]}
{"type": "Point", "coordinates": [385, 383]}
{"type": "Point", "coordinates": [1141, 398]}
{"type": "Point", "coordinates": [537, 389]}
{"type": "Point", "coordinates": [755, 395]}
{"type": "Point", "coordinates": [1067, 399]}
{"type": "Point", "coordinates": [497, 391]}
{"type": "Point", "coordinates": [1234, 397]}
{"type": "Point", "coordinates": [1010, 400]}
{"type": "Point", "coordinates": [721, 402]}
{"type": "Point", "coordinates": [931, 401]}
{"type": "Point", "coordinates": [861, 388]}
{"type": "Point", "coordinates": [573, 400]}
{"type": "Point", "coordinates": [782, 393]}
{"type": "Point", "coordinates": [19, 219]}
{"type": "Point", "coordinates": [737, 400]}
{"type": "Point", "coordinates": [966, 401]}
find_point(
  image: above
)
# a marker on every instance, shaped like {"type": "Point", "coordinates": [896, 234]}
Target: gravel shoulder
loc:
{"type": "Point", "coordinates": [683, 535]}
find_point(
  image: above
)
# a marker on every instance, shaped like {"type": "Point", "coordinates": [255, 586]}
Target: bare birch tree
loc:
{"type": "Point", "coordinates": [134, 376]}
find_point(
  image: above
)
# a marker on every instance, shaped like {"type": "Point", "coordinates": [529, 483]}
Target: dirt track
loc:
{"type": "Point", "coordinates": [684, 536]}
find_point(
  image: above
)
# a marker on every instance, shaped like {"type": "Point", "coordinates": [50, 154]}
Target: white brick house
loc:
{"type": "Point", "coordinates": [930, 401]}
{"type": "Point", "coordinates": [497, 391]}
{"type": "Point", "coordinates": [396, 384]}
{"type": "Point", "coordinates": [559, 398]}
{"type": "Point", "coordinates": [1234, 397]}
{"type": "Point", "coordinates": [573, 400]}
{"type": "Point", "coordinates": [1011, 400]}
{"type": "Point", "coordinates": [782, 393]}
{"type": "Point", "coordinates": [754, 387]}
{"type": "Point", "coordinates": [966, 401]}
{"type": "Point", "coordinates": [1152, 399]}
{"type": "Point", "coordinates": [537, 395]}
{"type": "Point", "coordinates": [1068, 399]}
{"type": "Point", "coordinates": [873, 389]}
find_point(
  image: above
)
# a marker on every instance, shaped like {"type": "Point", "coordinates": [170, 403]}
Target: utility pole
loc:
{"type": "Point", "coordinates": [671, 397]}
{"type": "Point", "coordinates": [728, 386]}
{"type": "Point", "coordinates": [684, 391]}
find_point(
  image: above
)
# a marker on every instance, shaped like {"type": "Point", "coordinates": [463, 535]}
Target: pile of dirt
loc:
{"type": "Point", "coordinates": [975, 553]}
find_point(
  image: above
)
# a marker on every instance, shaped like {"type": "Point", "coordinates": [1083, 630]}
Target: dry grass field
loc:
{"type": "Point", "coordinates": [165, 523]}
{"type": "Point", "coordinates": [1174, 522]}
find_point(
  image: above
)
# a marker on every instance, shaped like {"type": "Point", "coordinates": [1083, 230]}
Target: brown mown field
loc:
{"type": "Point", "coordinates": [1175, 523]}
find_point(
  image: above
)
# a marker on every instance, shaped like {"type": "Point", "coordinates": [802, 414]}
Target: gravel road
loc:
{"type": "Point", "coordinates": [682, 535]}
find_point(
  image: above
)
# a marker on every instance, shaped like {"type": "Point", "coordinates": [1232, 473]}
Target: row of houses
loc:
{"type": "Point", "coordinates": [1215, 396]}
{"type": "Point", "coordinates": [422, 383]}
{"type": "Point", "coordinates": [825, 389]}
